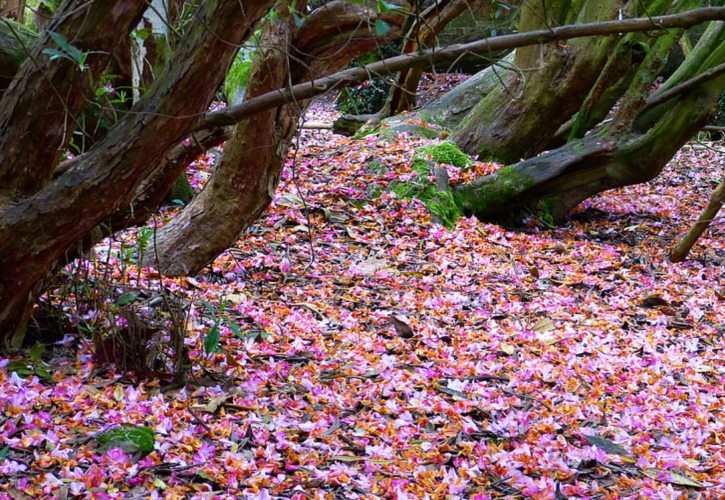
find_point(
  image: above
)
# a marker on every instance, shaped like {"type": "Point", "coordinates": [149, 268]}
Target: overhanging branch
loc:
{"type": "Point", "coordinates": [355, 76]}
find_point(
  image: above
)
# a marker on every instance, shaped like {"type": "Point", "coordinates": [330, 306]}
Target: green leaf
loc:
{"type": "Point", "coordinates": [236, 330]}
{"type": "Point", "coordinates": [384, 6]}
{"type": "Point", "coordinates": [141, 34]}
{"type": "Point", "coordinates": [605, 444]}
{"type": "Point", "coordinates": [298, 20]}
{"type": "Point", "coordinates": [208, 306]}
{"type": "Point", "coordinates": [72, 53]}
{"type": "Point", "coordinates": [129, 438]}
{"type": "Point", "coordinates": [4, 453]}
{"type": "Point", "coordinates": [55, 54]}
{"type": "Point", "coordinates": [60, 41]}
{"type": "Point", "coordinates": [381, 27]}
{"type": "Point", "coordinates": [452, 392]}
{"type": "Point", "coordinates": [126, 298]}
{"type": "Point", "coordinates": [21, 367]}
{"type": "Point", "coordinates": [35, 352]}
{"type": "Point", "coordinates": [43, 373]}
{"type": "Point", "coordinates": [211, 341]}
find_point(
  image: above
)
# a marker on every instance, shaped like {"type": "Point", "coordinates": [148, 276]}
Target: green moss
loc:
{"type": "Point", "coordinates": [235, 83]}
{"type": "Point", "coordinates": [445, 152]}
{"type": "Point", "coordinates": [440, 203]}
{"type": "Point", "coordinates": [365, 131]}
{"type": "Point", "coordinates": [493, 194]}
{"type": "Point", "coordinates": [129, 438]}
{"type": "Point", "coordinates": [545, 211]}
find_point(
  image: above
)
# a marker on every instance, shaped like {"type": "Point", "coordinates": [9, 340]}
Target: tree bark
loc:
{"type": "Point", "coordinates": [612, 156]}
{"type": "Point", "coordinates": [47, 94]}
{"type": "Point", "coordinates": [37, 230]}
{"type": "Point", "coordinates": [547, 84]}
{"type": "Point", "coordinates": [682, 250]}
{"type": "Point", "coordinates": [244, 183]}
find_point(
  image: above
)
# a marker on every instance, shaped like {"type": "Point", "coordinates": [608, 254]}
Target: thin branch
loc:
{"type": "Point", "coordinates": [355, 76]}
{"type": "Point", "coordinates": [659, 98]}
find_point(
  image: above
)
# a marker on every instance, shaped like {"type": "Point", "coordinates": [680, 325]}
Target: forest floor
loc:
{"type": "Point", "coordinates": [364, 352]}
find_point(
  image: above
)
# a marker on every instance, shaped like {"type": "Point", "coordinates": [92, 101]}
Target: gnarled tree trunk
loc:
{"type": "Point", "coordinates": [632, 148]}
{"type": "Point", "coordinates": [244, 182]}
{"type": "Point", "coordinates": [547, 84]}
{"type": "Point", "coordinates": [45, 217]}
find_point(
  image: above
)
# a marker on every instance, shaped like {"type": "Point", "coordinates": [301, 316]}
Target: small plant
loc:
{"type": "Point", "coordinates": [221, 319]}
{"type": "Point", "coordinates": [365, 99]}
{"type": "Point", "coordinates": [66, 51]}
{"type": "Point", "coordinates": [31, 365]}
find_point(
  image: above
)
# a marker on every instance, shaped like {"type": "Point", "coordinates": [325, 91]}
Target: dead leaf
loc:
{"type": "Point", "coordinates": [507, 349]}
{"type": "Point", "coordinates": [543, 325]}
{"type": "Point", "coordinates": [609, 446]}
{"type": "Point", "coordinates": [653, 301]}
{"type": "Point", "coordinates": [215, 403]}
{"type": "Point", "coordinates": [403, 329]}
{"type": "Point", "coordinates": [335, 216]}
{"type": "Point", "coordinates": [668, 476]}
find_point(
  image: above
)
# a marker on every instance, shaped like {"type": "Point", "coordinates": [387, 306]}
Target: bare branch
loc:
{"type": "Point", "coordinates": [355, 76]}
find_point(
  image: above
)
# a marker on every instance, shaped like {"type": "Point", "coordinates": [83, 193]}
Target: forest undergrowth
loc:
{"type": "Point", "coordinates": [347, 347]}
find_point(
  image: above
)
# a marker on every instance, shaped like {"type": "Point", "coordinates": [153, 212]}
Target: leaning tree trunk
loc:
{"type": "Point", "coordinates": [547, 84]}
{"type": "Point", "coordinates": [632, 148]}
{"type": "Point", "coordinates": [423, 34]}
{"type": "Point", "coordinates": [680, 252]}
{"type": "Point", "coordinates": [46, 216]}
{"type": "Point", "coordinates": [244, 182]}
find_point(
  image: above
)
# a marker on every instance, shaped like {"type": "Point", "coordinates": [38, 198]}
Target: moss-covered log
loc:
{"type": "Point", "coordinates": [615, 155]}
{"type": "Point", "coordinates": [548, 84]}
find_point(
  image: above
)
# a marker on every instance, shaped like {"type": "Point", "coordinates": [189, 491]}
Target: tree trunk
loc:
{"type": "Point", "coordinates": [422, 35]}
{"type": "Point", "coordinates": [244, 183]}
{"type": "Point", "coordinates": [13, 9]}
{"type": "Point", "coordinates": [37, 230]}
{"type": "Point", "coordinates": [680, 252]}
{"type": "Point", "coordinates": [13, 38]}
{"type": "Point", "coordinates": [547, 84]}
{"type": "Point", "coordinates": [45, 108]}
{"type": "Point", "coordinates": [626, 151]}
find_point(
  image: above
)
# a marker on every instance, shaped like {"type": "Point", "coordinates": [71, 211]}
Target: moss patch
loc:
{"type": "Point", "coordinates": [445, 152]}
{"type": "Point", "coordinates": [493, 195]}
{"type": "Point", "coordinates": [441, 203]}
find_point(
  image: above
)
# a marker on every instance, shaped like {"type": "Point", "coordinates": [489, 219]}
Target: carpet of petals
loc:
{"type": "Point", "coordinates": [531, 353]}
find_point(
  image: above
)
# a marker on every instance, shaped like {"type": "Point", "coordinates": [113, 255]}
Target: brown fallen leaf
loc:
{"type": "Point", "coordinates": [402, 328]}
{"type": "Point", "coordinates": [654, 301]}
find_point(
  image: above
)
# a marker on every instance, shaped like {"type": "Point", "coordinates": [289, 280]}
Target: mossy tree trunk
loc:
{"type": "Point", "coordinates": [632, 148]}
{"type": "Point", "coordinates": [547, 84]}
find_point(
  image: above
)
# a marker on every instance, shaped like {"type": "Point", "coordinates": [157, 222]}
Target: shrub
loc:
{"type": "Point", "coordinates": [365, 99]}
